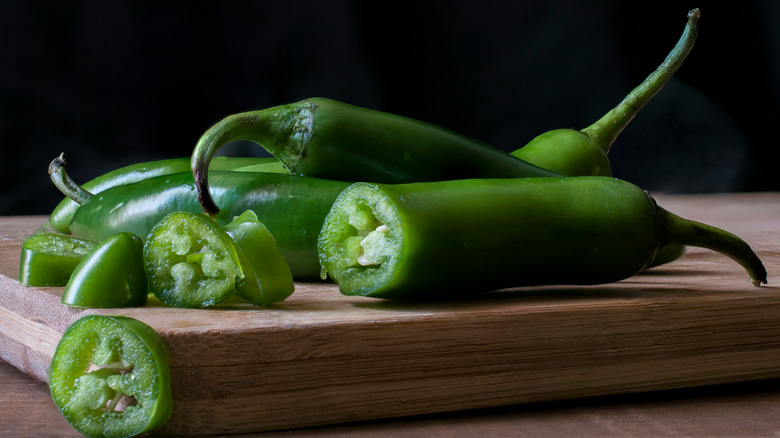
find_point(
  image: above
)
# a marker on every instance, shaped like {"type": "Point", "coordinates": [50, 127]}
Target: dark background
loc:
{"type": "Point", "coordinates": [117, 82]}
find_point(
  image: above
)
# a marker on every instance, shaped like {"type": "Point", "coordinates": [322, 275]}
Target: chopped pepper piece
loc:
{"type": "Point", "coordinates": [49, 258]}
{"type": "Point", "coordinates": [111, 275]}
{"type": "Point", "coordinates": [109, 377]}
{"type": "Point", "coordinates": [267, 277]}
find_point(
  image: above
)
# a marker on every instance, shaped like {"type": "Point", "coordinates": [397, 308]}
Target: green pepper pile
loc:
{"type": "Point", "coordinates": [384, 205]}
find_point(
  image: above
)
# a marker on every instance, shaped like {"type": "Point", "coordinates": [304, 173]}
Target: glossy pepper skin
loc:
{"type": "Point", "coordinates": [111, 275]}
{"type": "Point", "coordinates": [442, 239]}
{"type": "Point", "coordinates": [110, 378]}
{"type": "Point", "coordinates": [584, 153]}
{"type": "Point", "coordinates": [327, 139]}
{"type": "Point", "coordinates": [291, 207]}
{"type": "Point", "coordinates": [60, 217]}
{"type": "Point", "coordinates": [49, 258]}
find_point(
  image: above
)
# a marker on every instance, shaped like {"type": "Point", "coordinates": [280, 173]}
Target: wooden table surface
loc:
{"type": "Point", "coordinates": [745, 409]}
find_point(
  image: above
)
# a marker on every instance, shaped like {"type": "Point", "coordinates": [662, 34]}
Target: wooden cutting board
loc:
{"type": "Point", "coordinates": [322, 358]}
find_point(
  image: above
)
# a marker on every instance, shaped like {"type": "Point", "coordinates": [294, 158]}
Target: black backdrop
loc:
{"type": "Point", "coordinates": [116, 82]}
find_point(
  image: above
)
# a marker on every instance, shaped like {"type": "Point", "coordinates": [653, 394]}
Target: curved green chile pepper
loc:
{"type": "Point", "coordinates": [438, 239]}
{"type": "Point", "coordinates": [48, 258]}
{"type": "Point", "coordinates": [327, 139]}
{"type": "Point", "coordinates": [111, 275]}
{"type": "Point", "coordinates": [291, 207]}
{"type": "Point", "coordinates": [584, 153]}
{"type": "Point", "coordinates": [109, 377]}
{"type": "Point", "coordinates": [190, 261]}
{"type": "Point", "coordinates": [267, 278]}
{"type": "Point", "coordinates": [60, 217]}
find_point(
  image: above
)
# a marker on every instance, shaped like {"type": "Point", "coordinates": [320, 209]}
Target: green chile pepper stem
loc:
{"type": "Point", "coordinates": [687, 232]}
{"type": "Point", "coordinates": [435, 239]}
{"type": "Point", "coordinates": [327, 139]}
{"type": "Point", "coordinates": [605, 130]}
{"type": "Point", "coordinates": [66, 185]}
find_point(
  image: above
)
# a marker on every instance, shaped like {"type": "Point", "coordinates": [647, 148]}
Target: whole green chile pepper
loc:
{"type": "Point", "coordinates": [291, 207]}
{"type": "Point", "coordinates": [444, 239]}
{"type": "Point", "coordinates": [581, 153]}
{"type": "Point", "coordinates": [60, 217]}
{"type": "Point", "coordinates": [324, 138]}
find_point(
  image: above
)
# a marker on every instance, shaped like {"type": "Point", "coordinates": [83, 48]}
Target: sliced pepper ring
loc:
{"type": "Point", "coordinates": [190, 261]}
{"type": "Point", "coordinates": [109, 377]}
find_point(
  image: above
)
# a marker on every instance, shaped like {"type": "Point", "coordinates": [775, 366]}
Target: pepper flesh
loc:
{"type": "Point", "coordinates": [109, 377]}
{"type": "Point", "coordinates": [190, 261]}
{"type": "Point", "coordinates": [422, 240]}
{"type": "Point", "coordinates": [111, 275]}
{"type": "Point", "coordinates": [324, 138]}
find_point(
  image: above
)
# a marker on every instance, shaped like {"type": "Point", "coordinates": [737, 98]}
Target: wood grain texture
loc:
{"type": "Point", "coordinates": [323, 358]}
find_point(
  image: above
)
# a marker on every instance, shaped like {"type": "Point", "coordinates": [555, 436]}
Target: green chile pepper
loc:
{"type": "Point", "coordinates": [327, 139]}
{"type": "Point", "coordinates": [292, 207]}
{"type": "Point", "coordinates": [583, 153]}
{"type": "Point", "coordinates": [48, 258]}
{"type": "Point", "coordinates": [190, 261]}
{"type": "Point", "coordinates": [111, 275]}
{"type": "Point", "coordinates": [435, 239]}
{"type": "Point", "coordinates": [110, 378]}
{"type": "Point", "coordinates": [60, 217]}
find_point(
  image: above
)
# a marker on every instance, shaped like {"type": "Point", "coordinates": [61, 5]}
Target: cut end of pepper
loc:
{"type": "Point", "coordinates": [361, 240]}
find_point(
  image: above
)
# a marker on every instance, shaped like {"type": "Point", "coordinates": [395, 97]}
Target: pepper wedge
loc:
{"type": "Point", "coordinates": [111, 275]}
